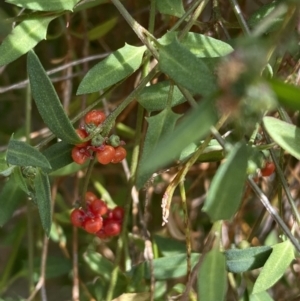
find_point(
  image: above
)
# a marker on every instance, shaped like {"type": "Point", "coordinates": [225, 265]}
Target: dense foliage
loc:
{"type": "Point", "coordinates": [149, 150]}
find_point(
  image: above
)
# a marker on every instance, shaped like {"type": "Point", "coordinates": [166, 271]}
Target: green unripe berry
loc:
{"type": "Point", "coordinates": [114, 140]}
{"type": "Point", "coordinates": [97, 140]}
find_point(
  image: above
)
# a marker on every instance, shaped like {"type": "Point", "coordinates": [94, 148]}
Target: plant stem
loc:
{"type": "Point", "coordinates": [112, 117]}
{"type": "Point", "coordinates": [238, 13]}
{"type": "Point", "coordinates": [29, 202]}
{"type": "Point", "coordinates": [137, 28]}
{"type": "Point", "coordinates": [282, 180]}
{"type": "Point", "coordinates": [273, 213]}
{"type": "Point", "coordinates": [187, 228]}
{"type": "Point", "coordinates": [185, 15]}
{"type": "Point", "coordinates": [192, 20]}
{"type": "Point", "coordinates": [87, 180]}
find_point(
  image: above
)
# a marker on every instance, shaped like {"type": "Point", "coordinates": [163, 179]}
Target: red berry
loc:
{"type": "Point", "coordinates": [93, 225]}
{"type": "Point", "coordinates": [90, 197]}
{"type": "Point", "coordinates": [120, 154]}
{"type": "Point", "coordinates": [109, 214]}
{"type": "Point", "coordinates": [112, 228]}
{"type": "Point", "coordinates": [95, 116]}
{"type": "Point", "coordinates": [82, 134]}
{"type": "Point", "coordinates": [105, 155]}
{"type": "Point", "coordinates": [101, 234]}
{"type": "Point", "coordinates": [118, 213]}
{"type": "Point", "coordinates": [268, 169]}
{"type": "Point", "coordinates": [98, 207]}
{"type": "Point", "coordinates": [77, 217]}
{"type": "Point", "coordinates": [79, 155]}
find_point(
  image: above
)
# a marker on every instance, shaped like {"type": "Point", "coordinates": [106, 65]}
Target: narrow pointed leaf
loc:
{"type": "Point", "coordinates": [45, 5]}
{"type": "Point", "coordinates": [47, 101]}
{"type": "Point", "coordinates": [262, 296]}
{"type": "Point", "coordinates": [43, 199]}
{"type": "Point", "coordinates": [23, 38]}
{"type": "Point", "coordinates": [263, 13]}
{"type": "Point", "coordinates": [102, 266]}
{"type": "Point", "coordinates": [286, 135]}
{"type": "Point", "coordinates": [112, 69]}
{"type": "Point", "coordinates": [170, 7]}
{"type": "Point", "coordinates": [5, 169]}
{"type": "Point", "coordinates": [10, 197]}
{"type": "Point", "coordinates": [20, 180]}
{"type": "Point", "coordinates": [22, 154]}
{"type": "Point", "coordinates": [170, 267]}
{"type": "Point", "coordinates": [185, 69]}
{"type": "Point", "coordinates": [277, 263]}
{"type": "Point", "coordinates": [200, 45]}
{"type": "Point", "coordinates": [158, 126]}
{"type": "Point", "coordinates": [155, 97]}
{"type": "Point", "coordinates": [192, 128]}
{"type": "Point", "coordinates": [225, 192]}
{"type": "Point", "coordinates": [212, 277]}
{"type": "Point", "coordinates": [89, 4]}
{"type": "Point", "coordinates": [59, 155]}
{"type": "Point", "coordinates": [288, 95]}
{"type": "Point", "coordinates": [101, 30]}
{"type": "Point", "coordinates": [133, 297]}
{"type": "Point", "coordinates": [242, 260]}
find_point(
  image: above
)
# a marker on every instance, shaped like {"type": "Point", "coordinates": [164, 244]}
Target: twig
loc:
{"type": "Point", "coordinates": [24, 83]}
{"type": "Point", "coordinates": [238, 13]}
{"type": "Point", "coordinates": [282, 180]}
{"type": "Point", "coordinates": [43, 269]}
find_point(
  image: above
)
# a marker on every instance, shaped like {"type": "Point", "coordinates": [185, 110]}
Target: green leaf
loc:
{"type": "Point", "coordinates": [198, 44]}
{"type": "Point", "coordinates": [101, 30]}
{"type": "Point", "coordinates": [89, 4]}
{"type": "Point", "coordinates": [262, 13]}
{"type": "Point", "coordinates": [170, 7]}
{"type": "Point", "coordinates": [192, 128]}
{"type": "Point", "coordinates": [185, 69]}
{"type": "Point", "coordinates": [262, 296]}
{"type": "Point", "coordinates": [212, 277]}
{"type": "Point", "coordinates": [59, 155]}
{"type": "Point", "coordinates": [23, 38]}
{"type": "Point", "coordinates": [226, 189]}
{"type": "Point", "coordinates": [103, 267]}
{"type": "Point", "coordinates": [10, 197]}
{"type": "Point", "coordinates": [288, 95]}
{"type": "Point", "coordinates": [5, 169]}
{"type": "Point", "coordinates": [43, 199]}
{"type": "Point", "coordinates": [168, 246]}
{"type": "Point", "coordinates": [284, 134]}
{"type": "Point", "coordinates": [170, 267]}
{"type": "Point", "coordinates": [47, 101]}
{"type": "Point", "coordinates": [242, 260]}
{"type": "Point", "coordinates": [275, 267]}
{"type": "Point", "coordinates": [155, 97]}
{"type": "Point", "coordinates": [20, 180]}
{"type": "Point", "coordinates": [55, 266]}
{"type": "Point", "coordinates": [22, 154]}
{"type": "Point", "coordinates": [212, 153]}
{"type": "Point", "coordinates": [112, 69]}
{"type": "Point", "coordinates": [69, 169]}
{"type": "Point", "coordinates": [42, 5]}
{"type": "Point", "coordinates": [133, 297]}
{"type": "Point", "coordinates": [158, 126]}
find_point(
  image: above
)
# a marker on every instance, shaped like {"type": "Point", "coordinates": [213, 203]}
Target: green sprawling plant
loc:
{"type": "Point", "coordinates": [204, 96]}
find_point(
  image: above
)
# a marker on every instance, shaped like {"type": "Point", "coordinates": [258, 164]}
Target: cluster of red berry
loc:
{"type": "Point", "coordinates": [98, 219]}
{"type": "Point", "coordinates": [108, 149]}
